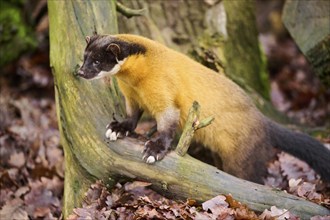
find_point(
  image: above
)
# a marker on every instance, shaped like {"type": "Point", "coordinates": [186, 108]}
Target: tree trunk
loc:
{"type": "Point", "coordinates": [84, 108]}
{"type": "Point", "coordinates": [241, 49]}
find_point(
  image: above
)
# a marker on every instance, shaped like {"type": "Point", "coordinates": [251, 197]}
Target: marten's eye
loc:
{"type": "Point", "coordinates": [96, 62]}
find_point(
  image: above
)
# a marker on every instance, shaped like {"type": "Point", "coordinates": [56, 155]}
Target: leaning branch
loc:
{"type": "Point", "coordinates": [183, 177]}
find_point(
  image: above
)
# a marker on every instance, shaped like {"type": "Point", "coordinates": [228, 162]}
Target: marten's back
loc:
{"type": "Point", "coordinates": [236, 117]}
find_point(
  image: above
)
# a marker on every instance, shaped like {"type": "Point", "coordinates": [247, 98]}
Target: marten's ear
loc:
{"type": "Point", "coordinates": [88, 39]}
{"type": "Point", "coordinates": [114, 48]}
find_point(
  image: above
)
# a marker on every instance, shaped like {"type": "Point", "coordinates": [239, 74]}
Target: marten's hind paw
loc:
{"type": "Point", "coordinates": [154, 151]}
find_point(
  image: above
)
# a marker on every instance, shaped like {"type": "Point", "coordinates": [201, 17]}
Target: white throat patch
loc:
{"type": "Point", "coordinates": [112, 72]}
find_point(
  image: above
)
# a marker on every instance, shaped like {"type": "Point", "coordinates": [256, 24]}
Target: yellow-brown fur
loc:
{"type": "Point", "coordinates": [163, 77]}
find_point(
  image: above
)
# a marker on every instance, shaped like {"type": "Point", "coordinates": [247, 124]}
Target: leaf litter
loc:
{"type": "Point", "coordinates": [31, 158]}
{"type": "Point", "coordinates": [31, 170]}
{"type": "Point", "coordinates": [134, 200]}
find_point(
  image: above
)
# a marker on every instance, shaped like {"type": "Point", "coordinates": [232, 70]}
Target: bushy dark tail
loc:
{"type": "Point", "coordinates": [303, 147]}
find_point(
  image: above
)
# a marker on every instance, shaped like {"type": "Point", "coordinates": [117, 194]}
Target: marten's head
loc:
{"type": "Point", "coordinates": [105, 54]}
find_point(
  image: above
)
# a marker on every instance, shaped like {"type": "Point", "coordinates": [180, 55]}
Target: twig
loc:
{"type": "Point", "coordinates": [192, 124]}
{"type": "Point", "coordinates": [205, 122]}
{"type": "Point", "coordinates": [129, 12]}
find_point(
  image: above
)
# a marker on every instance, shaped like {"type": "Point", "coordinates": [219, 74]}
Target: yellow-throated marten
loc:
{"type": "Point", "coordinates": [165, 83]}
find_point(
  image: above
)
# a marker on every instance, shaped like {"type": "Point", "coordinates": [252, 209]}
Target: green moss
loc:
{"type": "Point", "coordinates": [319, 57]}
{"type": "Point", "coordinates": [16, 2]}
{"type": "Point", "coordinates": [242, 53]}
{"type": "Point", "coordinates": [15, 36]}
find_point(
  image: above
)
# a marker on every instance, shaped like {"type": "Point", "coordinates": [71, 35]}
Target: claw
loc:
{"type": "Point", "coordinates": [113, 136]}
{"type": "Point", "coordinates": [147, 142]}
{"type": "Point", "coordinates": [108, 133]}
{"type": "Point", "coordinates": [151, 159]}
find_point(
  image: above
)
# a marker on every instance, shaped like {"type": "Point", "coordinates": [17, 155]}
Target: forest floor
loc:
{"type": "Point", "coordinates": [32, 163]}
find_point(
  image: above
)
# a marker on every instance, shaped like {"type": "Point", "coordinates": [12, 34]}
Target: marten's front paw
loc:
{"type": "Point", "coordinates": [154, 150]}
{"type": "Point", "coordinates": [117, 130]}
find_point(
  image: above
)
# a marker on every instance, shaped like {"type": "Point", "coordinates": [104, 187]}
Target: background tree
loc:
{"type": "Point", "coordinates": [303, 18]}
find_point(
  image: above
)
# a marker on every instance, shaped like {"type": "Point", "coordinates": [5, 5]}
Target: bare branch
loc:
{"type": "Point", "coordinates": [129, 12]}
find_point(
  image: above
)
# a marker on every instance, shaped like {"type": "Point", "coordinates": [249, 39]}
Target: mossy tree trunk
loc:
{"type": "Point", "coordinates": [84, 107]}
{"type": "Point", "coordinates": [241, 49]}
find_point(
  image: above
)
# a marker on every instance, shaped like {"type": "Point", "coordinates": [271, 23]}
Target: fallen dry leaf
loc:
{"type": "Point", "coordinates": [21, 191]}
{"type": "Point", "coordinates": [17, 159]}
{"type": "Point", "coordinates": [305, 190]}
{"type": "Point", "coordinates": [41, 200]}
{"type": "Point", "coordinates": [278, 214]}
{"type": "Point", "coordinates": [320, 218]}
{"type": "Point", "coordinates": [294, 168]}
{"type": "Point", "coordinates": [241, 210]}
{"type": "Point", "coordinates": [14, 209]}
{"type": "Point", "coordinates": [215, 202]}
{"type": "Point", "coordinates": [136, 184]}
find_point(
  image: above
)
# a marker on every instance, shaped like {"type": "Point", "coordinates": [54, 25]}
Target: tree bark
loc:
{"type": "Point", "coordinates": [309, 24]}
{"type": "Point", "coordinates": [242, 45]}
{"type": "Point", "coordinates": [85, 107]}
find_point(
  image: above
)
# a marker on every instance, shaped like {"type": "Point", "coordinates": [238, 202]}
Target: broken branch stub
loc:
{"type": "Point", "coordinates": [192, 124]}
